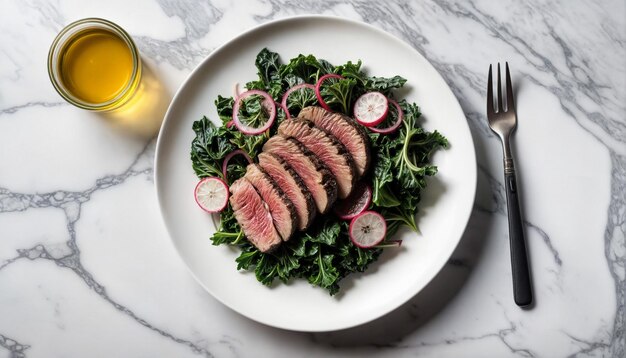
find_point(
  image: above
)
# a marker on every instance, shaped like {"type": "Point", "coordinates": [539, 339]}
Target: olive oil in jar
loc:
{"type": "Point", "coordinates": [94, 65]}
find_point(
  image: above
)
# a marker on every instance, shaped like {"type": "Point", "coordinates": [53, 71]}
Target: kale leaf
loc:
{"type": "Point", "coordinates": [208, 148]}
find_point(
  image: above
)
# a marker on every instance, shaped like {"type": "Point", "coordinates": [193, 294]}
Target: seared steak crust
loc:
{"type": "Point", "coordinates": [325, 147]}
{"type": "Point", "coordinates": [293, 186]}
{"type": "Point", "coordinates": [351, 134]}
{"type": "Point", "coordinates": [318, 179]}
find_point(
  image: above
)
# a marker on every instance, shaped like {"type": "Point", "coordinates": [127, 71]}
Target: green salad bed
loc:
{"type": "Point", "coordinates": [324, 253]}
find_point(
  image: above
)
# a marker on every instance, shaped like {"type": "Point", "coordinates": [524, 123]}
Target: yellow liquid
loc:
{"type": "Point", "coordinates": [96, 66]}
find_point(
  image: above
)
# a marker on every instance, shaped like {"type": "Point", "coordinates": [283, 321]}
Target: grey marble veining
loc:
{"type": "Point", "coordinates": [70, 203]}
{"type": "Point", "coordinates": [15, 348]}
{"type": "Point", "coordinates": [615, 251]}
{"type": "Point", "coordinates": [570, 52]}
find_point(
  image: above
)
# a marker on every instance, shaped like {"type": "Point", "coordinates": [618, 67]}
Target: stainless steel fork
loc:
{"type": "Point", "coordinates": [503, 122]}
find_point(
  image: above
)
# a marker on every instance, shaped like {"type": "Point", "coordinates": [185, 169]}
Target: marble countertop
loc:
{"type": "Point", "coordinates": [87, 268]}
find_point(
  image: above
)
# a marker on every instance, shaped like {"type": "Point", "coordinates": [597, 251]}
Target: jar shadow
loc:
{"type": "Point", "coordinates": [143, 114]}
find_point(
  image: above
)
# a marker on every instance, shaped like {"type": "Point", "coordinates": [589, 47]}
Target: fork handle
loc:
{"type": "Point", "coordinates": [522, 291]}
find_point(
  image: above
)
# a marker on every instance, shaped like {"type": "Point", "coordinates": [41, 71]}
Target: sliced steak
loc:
{"type": "Point", "coordinates": [327, 148]}
{"type": "Point", "coordinates": [293, 186]}
{"type": "Point", "coordinates": [315, 175]}
{"type": "Point", "coordinates": [351, 134]}
{"type": "Point", "coordinates": [253, 216]}
{"type": "Point", "coordinates": [282, 209]}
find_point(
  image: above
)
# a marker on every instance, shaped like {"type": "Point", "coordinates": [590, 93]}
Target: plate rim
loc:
{"type": "Point", "coordinates": [351, 22]}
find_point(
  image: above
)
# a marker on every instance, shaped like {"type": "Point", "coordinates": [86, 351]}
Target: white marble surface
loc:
{"type": "Point", "coordinates": [87, 269]}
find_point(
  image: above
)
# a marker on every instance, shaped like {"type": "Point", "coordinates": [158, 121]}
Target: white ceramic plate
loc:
{"type": "Point", "coordinates": [400, 273]}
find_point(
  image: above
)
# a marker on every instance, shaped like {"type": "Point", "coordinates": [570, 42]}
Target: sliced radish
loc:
{"type": "Point", "coordinates": [283, 103]}
{"type": "Point", "coordinates": [211, 194]}
{"type": "Point", "coordinates": [368, 229]}
{"type": "Point", "coordinates": [268, 104]}
{"type": "Point", "coordinates": [318, 87]}
{"type": "Point", "coordinates": [229, 156]}
{"type": "Point", "coordinates": [371, 108]}
{"type": "Point", "coordinates": [357, 202]}
{"type": "Point", "coordinates": [394, 126]}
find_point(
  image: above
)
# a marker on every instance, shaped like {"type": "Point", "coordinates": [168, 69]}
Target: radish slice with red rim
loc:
{"type": "Point", "coordinates": [283, 103]}
{"type": "Point", "coordinates": [229, 156]}
{"type": "Point", "coordinates": [367, 229]}
{"type": "Point", "coordinates": [318, 87]}
{"type": "Point", "coordinates": [394, 127]}
{"type": "Point", "coordinates": [211, 194]}
{"type": "Point", "coordinates": [268, 104]}
{"type": "Point", "coordinates": [371, 108]}
{"type": "Point", "coordinates": [358, 201]}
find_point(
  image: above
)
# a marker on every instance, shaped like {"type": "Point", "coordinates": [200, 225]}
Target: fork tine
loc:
{"type": "Point", "coordinates": [499, 89]}
{"type": "Point", "coordinates": [490, 102]}
{"type": "Point", "coordinates": [510, 103]}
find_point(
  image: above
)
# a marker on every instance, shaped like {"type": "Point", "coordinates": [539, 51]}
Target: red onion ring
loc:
{"type": "Point", "coordinates": [229, 156]}
{"type": "Point", "coordinates": [268, 104]}
{"type": "Point", "coordinates": [236, 91]}
{"type": "Point", "coordinates": [318, 85]}
{"type": "Point", "coordinates": [283, 103]}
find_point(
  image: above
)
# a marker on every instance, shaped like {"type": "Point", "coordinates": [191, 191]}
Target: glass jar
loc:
{"type": "Point", "coordinates": [95, 65]}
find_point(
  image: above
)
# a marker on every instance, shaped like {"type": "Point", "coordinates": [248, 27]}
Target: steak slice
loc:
{"type": "Point", "coordinates": [327, 148]}
{"type": "Point", "coordinates": [315, 175]}
{"type": "Point", "coordinates": [293, 186]}
{"type": "Point", "coordinates": [282, 209]}
{"type": "Point", "coordinates": [254, 218]}
{"type": "Point", "coordinates": [351, 134]}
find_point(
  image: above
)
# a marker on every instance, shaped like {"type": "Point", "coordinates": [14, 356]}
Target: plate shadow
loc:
{"type": "Point", "coordinates": [440, 291]}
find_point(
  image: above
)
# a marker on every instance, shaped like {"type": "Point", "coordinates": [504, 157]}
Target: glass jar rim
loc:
{"type": "Point", "coordinates": [61, 40]}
